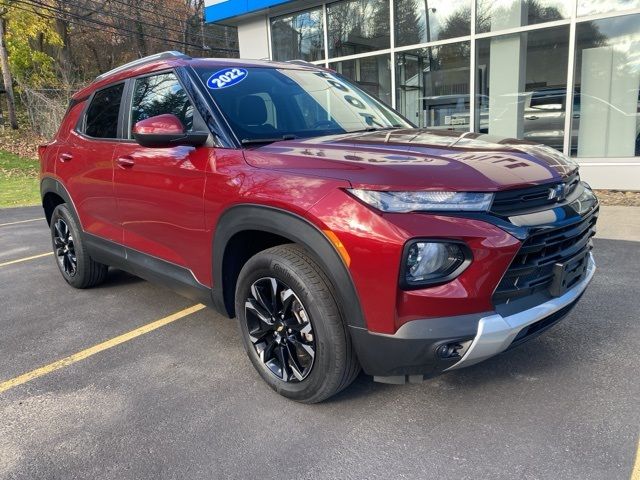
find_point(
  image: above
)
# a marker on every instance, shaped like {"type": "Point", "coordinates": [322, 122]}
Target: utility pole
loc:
{"type": "Point", "coordinates": [6, 73]}
{"type": "Point", "coordinates": [426, 19]}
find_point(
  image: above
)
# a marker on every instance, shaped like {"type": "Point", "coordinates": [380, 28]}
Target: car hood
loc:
{"type": "Point", "coordinates": [418, 159]}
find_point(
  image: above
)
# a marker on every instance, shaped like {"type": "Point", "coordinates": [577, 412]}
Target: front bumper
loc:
{"type": "Point", "coordinates": [412, 352]}
{"type": "Point", "coordinates": [496, 333]}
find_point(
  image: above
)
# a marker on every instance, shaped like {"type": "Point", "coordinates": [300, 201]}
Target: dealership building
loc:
{"type": "Point", "coordinates": [565, 73]}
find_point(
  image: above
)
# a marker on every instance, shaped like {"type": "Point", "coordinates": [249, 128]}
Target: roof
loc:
{"type": "Point", "coordinates": [166, 60]}
{"type": "Point", "coordinates": [241, 62]}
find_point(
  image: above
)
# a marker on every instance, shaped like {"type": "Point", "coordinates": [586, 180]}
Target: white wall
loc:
{"type": "Point", "coordinates": [608, 114]}
{"type": "Point", "coordinates": [254, 38]}
{"type": "Point", "coordinates": [603, 175]}
{"type": "Point", "coordinates": [507, 73]}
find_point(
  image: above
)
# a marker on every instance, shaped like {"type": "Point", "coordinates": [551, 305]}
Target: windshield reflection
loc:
{"type": "Point", "coordinates": [270, 104]}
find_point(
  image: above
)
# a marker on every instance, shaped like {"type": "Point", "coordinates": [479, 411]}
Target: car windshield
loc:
{"type": "Point", "coordinates": [267, 104]}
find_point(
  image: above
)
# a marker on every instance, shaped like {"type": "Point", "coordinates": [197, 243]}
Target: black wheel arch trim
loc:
{"type": "Point", "coordinates": [296, 228]}
{"type": "Point", "coordinates": [52, 185]}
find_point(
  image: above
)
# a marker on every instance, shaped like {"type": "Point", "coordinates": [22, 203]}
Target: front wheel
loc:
{"type": "Point", "coordinates": [291, 326]}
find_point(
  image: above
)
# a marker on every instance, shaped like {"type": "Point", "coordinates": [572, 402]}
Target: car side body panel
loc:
{"type": "Point", "coordinates": [159, 194]}
{"type": "Point", "coordinates": [86, 167]}
{"type": "Point", "coordinates": [231, 181]}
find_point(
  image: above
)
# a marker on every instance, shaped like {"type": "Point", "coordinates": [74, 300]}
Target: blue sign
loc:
{"type": "Point", "coordinates": [218, 10]}
{"type": "Point", "coordinates": [226, 78]}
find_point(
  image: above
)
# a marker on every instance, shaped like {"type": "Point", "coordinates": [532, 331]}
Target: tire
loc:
{"type": "Point", "coordinates": [72, 258]}
{"type": "Point", "coordinates": [311, 322]}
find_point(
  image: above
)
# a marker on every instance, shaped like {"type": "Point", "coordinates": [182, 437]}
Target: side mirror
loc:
{"type": "Point", "coordinates": [166, 131]}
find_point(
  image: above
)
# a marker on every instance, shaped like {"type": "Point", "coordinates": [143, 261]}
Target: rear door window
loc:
{"type": "Point", "coordinates": [158, 95]}
{"type": "Point", "coordinates": [101, 119]}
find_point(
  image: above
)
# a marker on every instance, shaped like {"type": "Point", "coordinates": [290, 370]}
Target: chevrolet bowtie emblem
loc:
{"type": "Point", "coordinates": [557, 193]}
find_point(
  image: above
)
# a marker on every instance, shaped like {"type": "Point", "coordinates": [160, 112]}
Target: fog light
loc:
{"type": "Point", "coordinates": [429, 262]}
{"type": "Point", "coordinates": [449, 350]}
{"type": "Point", "coordinates": [453, 349]}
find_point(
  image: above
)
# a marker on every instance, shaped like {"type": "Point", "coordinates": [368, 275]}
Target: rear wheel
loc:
{"type": "Point", "coordinates": [74, 262]}
{"type": "Point", "coordinates": [291, 326]}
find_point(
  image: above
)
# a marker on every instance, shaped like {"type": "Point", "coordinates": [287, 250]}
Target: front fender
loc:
{"type": "Point", "coordinates": [295, 228]}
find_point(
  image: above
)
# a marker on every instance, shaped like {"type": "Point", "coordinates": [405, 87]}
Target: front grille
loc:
{"type": "Point", "coordinates": [522, 200]}
{"type": "Point", "coordinates": [532, 270]}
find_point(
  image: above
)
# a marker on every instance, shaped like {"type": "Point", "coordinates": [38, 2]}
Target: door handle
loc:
{"type": "Point", "coordinates": [125, 162]}
{"type": "Point", "coordinates": [532, 117]}
{"type": "Point", "coordinates": [65, 157]}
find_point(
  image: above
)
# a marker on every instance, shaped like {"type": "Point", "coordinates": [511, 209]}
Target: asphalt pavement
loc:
{"type": "Point", "coordinates": [183, 401]}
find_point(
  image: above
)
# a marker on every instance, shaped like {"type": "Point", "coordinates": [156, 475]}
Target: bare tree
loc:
{"type": "Point", "coordinates": [6, 73]}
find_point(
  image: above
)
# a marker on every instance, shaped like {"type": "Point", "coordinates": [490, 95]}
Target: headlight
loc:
{"type": "Point", "coordinates": [425, 201]}
{"type": "Point", "coordinates": [428, 262]}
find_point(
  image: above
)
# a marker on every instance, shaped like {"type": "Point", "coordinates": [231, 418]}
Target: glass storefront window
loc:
{"type": "Point", "coordinates": [606, 115]}
{"type": "Point", "coordinates": [422, 21]}
{"type": "Point", "coordinates": [521, 77]}
{"type": "Point", "coordinates": [298, 36]}
{"type": "Point", "coordinates": [433, 86]}
{"type": "Point", "coordinates": [358, 26]}
{"type": "Point", "coordinates": [492, 15]}
{"type": "Point", "coordinates": [372, 74]}
{"type": "Point", "coordinates": [591, 7]}
{"type": "Point", "coordinates": [521, 82]}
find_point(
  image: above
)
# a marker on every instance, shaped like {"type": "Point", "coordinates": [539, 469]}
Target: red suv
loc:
{"type": "Point", "coordinates": [341, 236]}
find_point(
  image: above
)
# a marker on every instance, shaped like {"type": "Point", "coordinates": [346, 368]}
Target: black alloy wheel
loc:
{"type": "Point", "coordinates": [73, 260]}
{"type": "Point", "coordinates": [64, 247]}
{"type": "Point", "coordinates": [280, 329]}
{"type": "Point", "coordinates": [291, 326]}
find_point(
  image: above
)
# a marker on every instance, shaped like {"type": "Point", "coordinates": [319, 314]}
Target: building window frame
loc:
{"type": "Point", "coordinates": [322, 7]}
{"type": "Point", "coordinates": [572, 22]}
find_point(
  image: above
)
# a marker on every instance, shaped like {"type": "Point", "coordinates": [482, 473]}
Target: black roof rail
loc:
{"type": "Point", "coordinates": [141, 61]}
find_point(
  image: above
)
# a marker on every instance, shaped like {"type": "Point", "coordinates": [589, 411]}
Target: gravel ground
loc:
{"type": "Point", "coordinates": [618, 197]}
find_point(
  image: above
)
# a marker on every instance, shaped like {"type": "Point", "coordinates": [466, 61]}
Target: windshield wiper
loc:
{"type": "Point", "coordinates": [252, 141]}
{"type": "Point", "coordinates": [374, 129]}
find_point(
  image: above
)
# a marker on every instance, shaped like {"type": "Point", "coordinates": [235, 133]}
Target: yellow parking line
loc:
{"type": "Point", "coordinates": [635, 473]}
{"type": "Point", "coordinates": [26, 259]}
{"type": "Point", "coordinates": [76, 357]}
{"type": "Point", "coordinates": [21, 221]}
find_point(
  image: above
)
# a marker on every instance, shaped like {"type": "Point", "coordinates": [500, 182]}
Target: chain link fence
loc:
{"type": "Point", "coordinates": [45, 107]}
